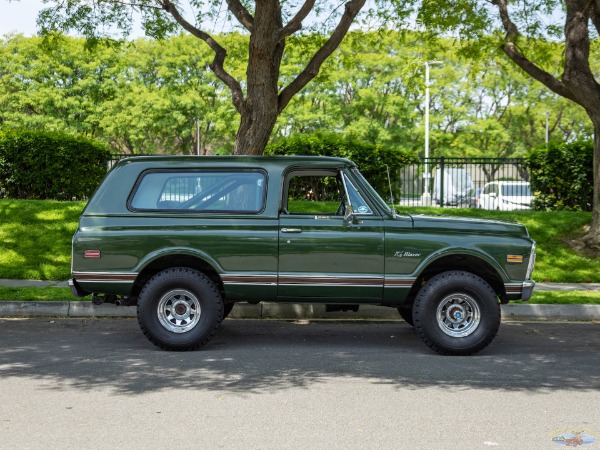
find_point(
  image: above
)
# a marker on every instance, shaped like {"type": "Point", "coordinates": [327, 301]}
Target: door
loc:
{"type": "Point", "coordinates": [325, 253]}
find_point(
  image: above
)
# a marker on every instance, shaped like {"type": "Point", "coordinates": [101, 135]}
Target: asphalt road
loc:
{"type": "Point", "coordinates": [77, 383]}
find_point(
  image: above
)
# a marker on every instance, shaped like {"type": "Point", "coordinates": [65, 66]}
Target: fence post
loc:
{"type": "Point", "coordinates": [442, 181]}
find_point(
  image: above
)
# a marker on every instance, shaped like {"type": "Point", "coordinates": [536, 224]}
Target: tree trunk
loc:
{"type": "Point", "coordinates": [592, 239]}
{"type": "Point", "coordinates": [255, 130]}
{"type": "Point", "coordinates": [261, 106]}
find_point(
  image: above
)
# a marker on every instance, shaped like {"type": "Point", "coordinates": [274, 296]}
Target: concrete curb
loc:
{"type": "Point", "coordinates": [286, 311]}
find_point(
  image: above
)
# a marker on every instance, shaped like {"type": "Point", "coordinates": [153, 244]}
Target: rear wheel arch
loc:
{"type": "Point", "coordinates": [177, 260]}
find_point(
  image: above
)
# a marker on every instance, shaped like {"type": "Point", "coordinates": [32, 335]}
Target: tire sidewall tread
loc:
{"type": "Point", "coordinates": [180, 278]}
{"type": "Point", "coordinates": [436, 289]}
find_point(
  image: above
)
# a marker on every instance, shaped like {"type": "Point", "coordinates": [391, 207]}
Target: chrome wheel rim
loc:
{"type": "Point", "coordinates": [179, 311]}
{"type": "Point", "coordinates": [458, 315]}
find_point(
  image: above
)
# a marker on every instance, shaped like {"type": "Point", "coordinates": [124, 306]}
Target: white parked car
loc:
{"type": "Point", "coordinates": [506, 196]}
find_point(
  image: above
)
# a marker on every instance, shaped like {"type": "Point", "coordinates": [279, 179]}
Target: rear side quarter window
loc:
{"type": "Point", "coordinates": [200, 191]}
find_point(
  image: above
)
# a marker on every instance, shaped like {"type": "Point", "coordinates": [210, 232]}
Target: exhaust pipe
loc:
{"type": "Point", "coordinates": [125, 301]}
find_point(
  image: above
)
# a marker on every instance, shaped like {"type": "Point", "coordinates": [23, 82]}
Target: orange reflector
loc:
{"type": "Point", "coordinates": [515, 259]}
{"type": "Point", "coordinates": [92, 254]}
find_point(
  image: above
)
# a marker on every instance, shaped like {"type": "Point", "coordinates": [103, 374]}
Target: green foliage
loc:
{"type": "Point", "coordinates": [370, 158]}
{"type": "Point", "coordinates": [45, 165]}
{"type": "Point", "coordinates": [145, 96]}
{"type": "Point", "coordinates": [562, 175]}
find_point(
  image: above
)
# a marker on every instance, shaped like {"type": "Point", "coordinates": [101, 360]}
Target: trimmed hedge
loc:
{"type": "Point", "coordinates": [370, 159]}
{"type": "Point", "coordinates": [44, 165]}
{"type": "Point", "coordinates": [562, 176]}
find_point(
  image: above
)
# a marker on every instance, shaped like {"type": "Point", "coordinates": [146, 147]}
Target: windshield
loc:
{"type": "Point", "coordinates": [516, 190]}
{"type": "Point", "coordinates": [372, 191]}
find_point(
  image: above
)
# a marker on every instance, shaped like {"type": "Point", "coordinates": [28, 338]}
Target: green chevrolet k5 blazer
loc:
{"type": "Point", "coordinates": [185, 238]}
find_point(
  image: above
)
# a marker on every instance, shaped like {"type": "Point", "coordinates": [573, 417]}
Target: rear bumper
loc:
{"type": "Point", "coordinates": [76, 290]}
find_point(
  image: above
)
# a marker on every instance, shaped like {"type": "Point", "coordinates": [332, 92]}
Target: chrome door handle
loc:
{"type": "Point", "coordinates": [291, 230]}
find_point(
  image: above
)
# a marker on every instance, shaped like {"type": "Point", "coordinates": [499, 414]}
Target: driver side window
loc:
{"type": "Point", "coordinates": [315, 193]}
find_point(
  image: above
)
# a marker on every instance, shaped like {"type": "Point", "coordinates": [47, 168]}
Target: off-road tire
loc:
{"type": "Point", "coordinates": [456, 313]}
{"type": "Point", "coordinates": [179, 309]}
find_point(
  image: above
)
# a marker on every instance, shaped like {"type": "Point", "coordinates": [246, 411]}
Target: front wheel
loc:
{"type": "Point", "coordinates": [179, 309]}
{"type": "Point", "coordinates": [457, 313]}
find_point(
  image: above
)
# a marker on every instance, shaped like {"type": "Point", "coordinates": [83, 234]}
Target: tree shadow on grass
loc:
{"type": "Point", "coordinates": [254, 357]}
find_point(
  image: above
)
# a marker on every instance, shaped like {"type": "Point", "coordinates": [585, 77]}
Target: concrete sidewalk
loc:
{"type": "Point", "coordinates": [285, 311]}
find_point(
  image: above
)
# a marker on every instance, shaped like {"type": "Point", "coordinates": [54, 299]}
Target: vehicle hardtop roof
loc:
{"type": "Point", "coordinates": [238, 160]}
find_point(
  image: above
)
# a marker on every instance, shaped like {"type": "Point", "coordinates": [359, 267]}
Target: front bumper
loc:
{"type": "Point", "coordinates": [527, 291]}
{"type": "Point", "coordinates": [519, 291]}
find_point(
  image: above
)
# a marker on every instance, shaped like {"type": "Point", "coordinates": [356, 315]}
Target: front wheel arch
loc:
{"type": "Point", "coordinates": [461, 262]}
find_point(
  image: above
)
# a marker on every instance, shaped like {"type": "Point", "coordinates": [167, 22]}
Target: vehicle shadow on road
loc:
{"type": "Point", "coordinates": [254, 357]}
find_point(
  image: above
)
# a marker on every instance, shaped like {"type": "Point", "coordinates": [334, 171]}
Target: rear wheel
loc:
{"type": "Point", "coordinates": [180, 309]}
{"type": "Point", "coordinates": [457, 313]}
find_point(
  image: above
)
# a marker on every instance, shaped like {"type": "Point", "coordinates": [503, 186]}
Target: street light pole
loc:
{"type": "Point", "coordinates": [426, 193]}
{"type": "Point", "coordinates": [198, 137]}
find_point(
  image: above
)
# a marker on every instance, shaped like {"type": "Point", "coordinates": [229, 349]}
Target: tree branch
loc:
{"type": "Point", "coordinates": [296, 23]}
{"type": "Point", "coordinates": [535, 72]}
{"type": "Point", "coordinates": [514, 53]}
{"type": "Point", "coordinates": [512, 32]}
{"type": "Point", "coordinates": [220, 54]}
{"type": "Point", "coordinates": [241, 14]}
{"type": "Point", "coordinates": [311, 70]}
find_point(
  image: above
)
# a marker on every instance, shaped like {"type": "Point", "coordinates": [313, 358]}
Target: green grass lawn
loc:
{"type": "Point", "coordinates": [38, 294]}
{"type": "Point", "coordinates": [35, 239]}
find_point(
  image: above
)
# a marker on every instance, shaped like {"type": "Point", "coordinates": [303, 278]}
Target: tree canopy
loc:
{"type": "Point", "coordinates": [146, 96]}
{"type": "Point", "coordinates": [261, 94]}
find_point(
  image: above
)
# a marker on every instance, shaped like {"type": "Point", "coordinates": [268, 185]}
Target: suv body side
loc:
{"type": "Point", "coordinates": [185, 238]}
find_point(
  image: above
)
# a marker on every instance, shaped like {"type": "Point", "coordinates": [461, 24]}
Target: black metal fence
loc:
{"type": "Point", "coordinates": [455, 181]}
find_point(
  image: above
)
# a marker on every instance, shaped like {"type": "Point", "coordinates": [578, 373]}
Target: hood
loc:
{"type": "Point", "coordinates": [468, 225]}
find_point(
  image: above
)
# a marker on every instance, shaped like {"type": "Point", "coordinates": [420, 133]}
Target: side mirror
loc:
{"type": "Point", "coordinates": [348, 213]}
{"type": "Point", "coordinates": [350, 217]}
